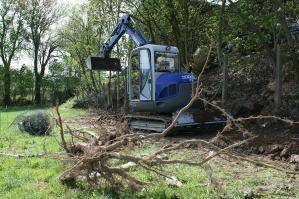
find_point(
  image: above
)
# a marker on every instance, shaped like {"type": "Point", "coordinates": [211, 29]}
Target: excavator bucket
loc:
{"type": "Point", "coordinates": [101, 63]}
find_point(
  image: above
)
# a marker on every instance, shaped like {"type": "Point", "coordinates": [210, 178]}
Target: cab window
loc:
{"type": "Point", "coordinates": [166, 62]}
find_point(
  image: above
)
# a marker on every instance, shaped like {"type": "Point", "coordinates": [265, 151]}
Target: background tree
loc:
{"type": "Point", "coordinates": [40, 18]}
{"type": "Point", "coordinates": [61, 81]}
{"type": "Point", "coordinates": [181, 23]}
{"type": "Point", "coordinates": [24, 83]}
{"type": "Point", "coordinates": [11, 40]}
{"type": "Point", "coordinates": [89, 26]}
{"type": "Point", "coordinates": [81, 40]}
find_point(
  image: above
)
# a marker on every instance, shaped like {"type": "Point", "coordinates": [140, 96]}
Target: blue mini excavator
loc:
{"type": "Point", "coordinates": [155, 83]}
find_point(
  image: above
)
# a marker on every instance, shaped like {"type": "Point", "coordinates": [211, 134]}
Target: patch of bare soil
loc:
{"type": "Point", "coordinates": [275, 141]}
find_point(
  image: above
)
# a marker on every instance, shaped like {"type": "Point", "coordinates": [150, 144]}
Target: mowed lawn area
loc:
{"type": "Point", "coordinates": [36, 177]}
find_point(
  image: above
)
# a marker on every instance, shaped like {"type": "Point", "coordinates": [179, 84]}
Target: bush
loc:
{"type": "Point", "coordinates": [35, 123]}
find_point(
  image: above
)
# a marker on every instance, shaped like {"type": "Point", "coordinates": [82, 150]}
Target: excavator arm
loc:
{"type": "Point", "coordinates": [127, 25]}
{"type": "Point", "coordinates": [124, 26]}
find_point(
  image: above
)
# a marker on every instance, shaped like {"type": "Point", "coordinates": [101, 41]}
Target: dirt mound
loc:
{"type": "Point", "coordinates": [251, 88]}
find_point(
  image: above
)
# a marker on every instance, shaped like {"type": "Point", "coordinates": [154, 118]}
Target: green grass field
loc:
{"type": "Point", "coordinates": [37, 177]}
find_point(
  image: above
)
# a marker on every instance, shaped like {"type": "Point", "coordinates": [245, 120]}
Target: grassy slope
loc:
{"type": "Point", "coordinates": [37, 177]}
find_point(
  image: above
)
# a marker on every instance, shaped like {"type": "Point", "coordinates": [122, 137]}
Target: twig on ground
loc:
{"type": "Point", "coordinates": [59, 122]}
{"type": "Point", "coordinates": [37, 155]}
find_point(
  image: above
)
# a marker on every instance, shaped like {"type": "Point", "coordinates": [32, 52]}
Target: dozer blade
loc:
{"type": "Point", "coordinates": [101, 63]}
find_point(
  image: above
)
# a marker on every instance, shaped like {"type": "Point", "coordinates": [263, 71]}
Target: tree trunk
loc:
{"type": "Point", "coordinates": [100, 82]}
{"type": "Point", "coordinates": [126, 92]}
{"type": "Point", "coordinates": [37, 90]}
{"type": "Point", "coordinates": [37, 86]}
{"type": "Point", "coordinates": [278, 79]}
{"type": "Point", "coordinates": [117, 90]}
{"type": "Point", "coordinates": [173, 20]}
{"type": "Point", "coordinates": [224, 81]}
{"type": "Point", "coordinates": [219, 49]}
{"type": "Point", "coordinates": [186, 31]}
{"type": "Point", "coordinates": [7, 86]}
{"type": "Point", "coordinates": [32, 95]}
{"type": "Point", "coordinates": [290, 41]}
{"type": "Point", "coordinates": [109, 90]}
{"type": "Point", "coordinates": [93, 82]}
{"type": "Point", "coordinates": [220, 31]}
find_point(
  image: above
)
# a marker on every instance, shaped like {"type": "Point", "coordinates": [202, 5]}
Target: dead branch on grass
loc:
{"type": "Point", "coordinates": [59, 122]}
{"type": "Point", "coordinates": [37, 155]}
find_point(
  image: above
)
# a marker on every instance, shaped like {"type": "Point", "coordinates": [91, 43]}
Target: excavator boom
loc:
{"type": "Point", "coordinates": [128, 25]}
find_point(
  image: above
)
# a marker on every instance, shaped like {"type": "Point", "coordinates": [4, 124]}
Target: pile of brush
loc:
{"type": "Point", "coordinates": [34, 122]}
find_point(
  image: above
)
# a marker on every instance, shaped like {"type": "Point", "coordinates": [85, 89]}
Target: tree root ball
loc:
{"type": "Point", "coordinates": [35, 123]}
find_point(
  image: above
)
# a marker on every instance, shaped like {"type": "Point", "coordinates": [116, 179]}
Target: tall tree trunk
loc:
{"type": "Point", "coordinates": [278, 79]}
{"type": "Point", "coordinates": [220, 32]}
{"type": "Point", "coordinates": [220, 41]}
{"type": "Point", "coordinates": [37, 90]}
{"type": "Point", "coordinates": [37, 86]}
{"type": "Point", "coordinates": [126, 92]}
{"type": "Point", "coordinates": [186, 31]}
{"type": "Point", "coordinates": [7, 86]}
{"type": "Point", "coordinates": [174, 22]}
{"type": "Point", "coordinates": [93, 82]}
{"type": "Point", "coordinates": [290, 41]}
{"type": "Point", "coordinates": [109, 90]}
{"type": "Point", "coordinates": [224, 80]}
{"type": "Point", "coordinates": [117, 90]}
{"type": "Point", "coordinates": [32, 95]}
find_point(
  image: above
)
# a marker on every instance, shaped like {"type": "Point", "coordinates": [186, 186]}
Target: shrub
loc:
{"type": "Point", "coordinates": [35, 123]}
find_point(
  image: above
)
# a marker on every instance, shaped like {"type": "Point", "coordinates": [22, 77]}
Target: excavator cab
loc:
{"type": "Point", "coordinates": [155, 83]}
